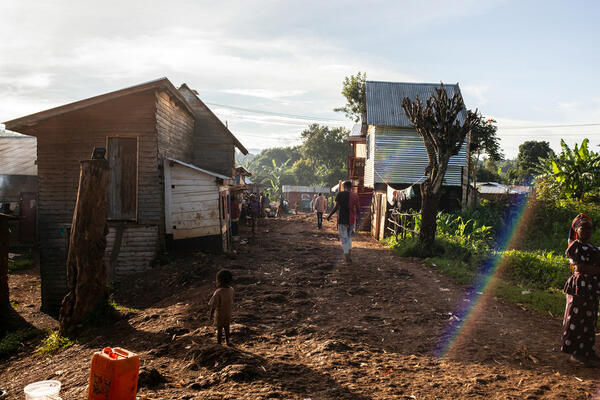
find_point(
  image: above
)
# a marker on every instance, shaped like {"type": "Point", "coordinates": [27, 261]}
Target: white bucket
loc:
{"type": "Point", "coordinates": [44, 390]}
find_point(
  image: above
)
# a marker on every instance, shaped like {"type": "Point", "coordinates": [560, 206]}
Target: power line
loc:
{"type": "Point", "coordinates": [548, 126]}
{"type": "Point", "coordinates": [556, 134]}
{"type": "Point", "coordinates": [278, 114]}
{"type": "Point", "coordinates": [315, 118]}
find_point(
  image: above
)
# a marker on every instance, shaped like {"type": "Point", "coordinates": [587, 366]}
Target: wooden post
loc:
{"type": "Point", "coordinates": [4, 242]}
{"type": "Point", "coordinates": [466, 174]}
{"type": "Point", "coordinates": [4, 246]}
{"type": "Point", "coordinates": [86, 271]}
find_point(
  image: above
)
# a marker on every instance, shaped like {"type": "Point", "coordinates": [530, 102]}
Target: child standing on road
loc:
{"type": "Point", "coordinates": [582, 290]}
{"type": "Point", "coordinates": [221, 304]}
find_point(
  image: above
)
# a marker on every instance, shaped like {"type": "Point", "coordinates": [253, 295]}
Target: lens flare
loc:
{"type": "Point", "coordinates": [467, 311]}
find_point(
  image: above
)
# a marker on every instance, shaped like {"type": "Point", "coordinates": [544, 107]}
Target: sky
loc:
{"type": "Point", "coordinates": [270, 68]}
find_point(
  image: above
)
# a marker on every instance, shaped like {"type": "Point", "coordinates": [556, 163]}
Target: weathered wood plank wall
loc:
{"type": "Point", "coordinates": [193, 199]}
{"type": "Point", "coordinates": [65, 140]}
{"type": "Point", "coordinates": [214, 149]}
{"type": "Point", "coordinates": [175, 128]}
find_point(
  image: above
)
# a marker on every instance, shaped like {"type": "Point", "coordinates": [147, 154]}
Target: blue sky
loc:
{"type": "Point", "coordinates": [524, 63]}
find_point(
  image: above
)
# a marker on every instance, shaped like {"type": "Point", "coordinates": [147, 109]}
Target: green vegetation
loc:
{"type": "Point", "coordinates": [354, 90]}
{"type": "Point", "coordinates": [53, 343]}
{"type": "Point", "coordinates": [531, 273]}
{"type": "Point", "coordinates": [573, 174]}
{"type": "Point", "coordinates": [14, 341]}
{"type": "Point", "coordinates": [319, 161]}
{"type": "Point", "coordinates": [120, 307]}
{"type": "Point", "coordinates": [24, 261]}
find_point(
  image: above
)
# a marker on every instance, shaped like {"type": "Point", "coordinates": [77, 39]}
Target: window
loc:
{"type": "Point", "coordinates": [122, 190]}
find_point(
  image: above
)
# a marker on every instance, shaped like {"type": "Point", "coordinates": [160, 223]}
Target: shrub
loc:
{"type": "Point", "coordinates": [535, 269]}
{"type": "Point", "coordinates": [13, 341]}
{"type": "Point", "coordinates": [53, 343]}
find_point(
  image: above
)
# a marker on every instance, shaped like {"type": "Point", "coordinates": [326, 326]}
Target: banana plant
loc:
{"type": "Point", "coordinates": [574, 172]}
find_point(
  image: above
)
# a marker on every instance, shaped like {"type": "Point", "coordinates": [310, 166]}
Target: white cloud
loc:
{"type": "Point", "coordinates": [475, 95]}
{"type": "Point", "coordinates": [513, 132]}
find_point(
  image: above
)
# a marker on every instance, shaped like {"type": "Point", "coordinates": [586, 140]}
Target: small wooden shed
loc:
{"type": "Point", "coordinates": [196, 202]}
{"type": "Point", "coordinates": [141, 127]}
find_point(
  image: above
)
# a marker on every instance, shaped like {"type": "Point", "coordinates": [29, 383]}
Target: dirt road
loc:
{"type": "Point", "coordinates": [309, 327]}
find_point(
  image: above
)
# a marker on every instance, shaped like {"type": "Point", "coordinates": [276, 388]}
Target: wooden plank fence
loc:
{"type": "Point", "coordinates": [402, 223]}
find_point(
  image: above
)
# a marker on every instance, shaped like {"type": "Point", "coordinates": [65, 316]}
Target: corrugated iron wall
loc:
{"type": "Point", "coordinates": [400, 157]}
{"type": "Point", "coordinates": [370, 161]}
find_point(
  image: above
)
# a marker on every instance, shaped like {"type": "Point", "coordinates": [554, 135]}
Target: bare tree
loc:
{"type": "Point", "coordinates": [443, 135]}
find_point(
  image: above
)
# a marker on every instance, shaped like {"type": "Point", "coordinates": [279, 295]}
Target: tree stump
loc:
{"type": "Point", "coordinates": [86, 270]}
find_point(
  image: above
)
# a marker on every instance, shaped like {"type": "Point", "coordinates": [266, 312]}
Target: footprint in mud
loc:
{"type": "Point", "coordinates": [359, 291]}
{"type": "Point", "coordinates": [275, 298]}
{"type": "Point", "coordinates": [298, 294]}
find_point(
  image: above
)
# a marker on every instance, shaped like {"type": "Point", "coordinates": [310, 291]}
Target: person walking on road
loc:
{"type": "Point", "coordinates": [348, 209]}
{"type": "Point", "coordinates": [320, 205]}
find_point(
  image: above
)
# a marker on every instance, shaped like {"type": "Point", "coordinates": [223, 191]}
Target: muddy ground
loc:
{"type": "Point", "coordinates": [307, 326]}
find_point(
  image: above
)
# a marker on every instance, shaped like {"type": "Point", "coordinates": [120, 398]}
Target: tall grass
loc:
{"type": "Point", "coordinates": [532, 273]}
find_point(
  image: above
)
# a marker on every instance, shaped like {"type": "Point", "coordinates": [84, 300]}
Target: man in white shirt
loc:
{"type": "Point", "coordinates": [320, 205]}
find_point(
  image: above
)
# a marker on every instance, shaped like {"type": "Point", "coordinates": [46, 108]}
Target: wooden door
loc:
{"type": "Point", "coordinates": [122, 191]}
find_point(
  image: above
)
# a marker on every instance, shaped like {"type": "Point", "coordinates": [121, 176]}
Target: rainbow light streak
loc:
{"type": "Point", "coordinates": [468, 310]}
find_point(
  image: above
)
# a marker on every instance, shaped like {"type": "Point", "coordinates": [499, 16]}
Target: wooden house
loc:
{"type": "Point", "coordinates": [395, 154]}
{"type": "Point", "coordinates": [142, 127]}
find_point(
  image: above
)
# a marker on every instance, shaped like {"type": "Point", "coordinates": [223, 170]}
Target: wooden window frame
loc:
{"type": "Point", "coordinates": [137, 173]}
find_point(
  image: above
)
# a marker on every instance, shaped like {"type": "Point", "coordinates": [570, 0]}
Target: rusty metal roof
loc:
{"type": "Point", "coordinates": [22, 123]}
{"type": "Point", "coordinates": [384, 100]}
{"type": "Point", "coordinates": [18, 155]}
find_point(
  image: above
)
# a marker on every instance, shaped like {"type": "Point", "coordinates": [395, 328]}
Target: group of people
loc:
{"type": "Point", "coordinates": [347, 209]}
{"type": "Point", "coordinates": [247, 210]}
{"type": "Point", "coordinates": [582, 288]}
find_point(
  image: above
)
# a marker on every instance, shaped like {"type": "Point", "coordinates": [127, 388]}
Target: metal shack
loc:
{"type": "Point", "coordinates": [300, 197]}
{"type": "Point", "coordinates": [395, 154]}
{"type": "Point", "coordinates": [18, 185]}
{"type": "Point", "coordinates": [142, 127]}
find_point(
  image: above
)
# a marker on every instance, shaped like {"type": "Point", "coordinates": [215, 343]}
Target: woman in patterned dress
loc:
{"type": "Point", "coordinates": [582, 290]}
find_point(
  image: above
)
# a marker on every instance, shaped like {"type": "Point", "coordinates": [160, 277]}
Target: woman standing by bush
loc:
{"type": "Point", "coordinates": [582, 290]}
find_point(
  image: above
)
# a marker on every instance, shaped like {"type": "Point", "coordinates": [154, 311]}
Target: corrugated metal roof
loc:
{"type": "Point", "coordinates": [304, 189]}
{"type": "Point", "coordinates": [496, 188]}
{"type": "Point", "coordinates": [356, 130]}
{"type": "Point", "coordinates": [22, 124]}
{"type": "Point", "coordinates": [5, 133]}
{"type": "Point", "coordinates": [384, 100]}
{"type": "Point", "coordinates": [215, 174]}
{"type": "Point", "coordinates": [18, 155]}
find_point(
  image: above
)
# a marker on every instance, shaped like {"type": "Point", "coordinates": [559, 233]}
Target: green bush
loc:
{"type": "Point", "coordinates": [21, 263]}
{"type": "Point", "coordinates": [13, 341]}
{"type": "Point", "coordinates": [53, 343]}
{"type": "Point", "coordinates": [535, 269]}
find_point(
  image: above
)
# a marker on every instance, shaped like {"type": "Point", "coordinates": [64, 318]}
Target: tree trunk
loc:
{"type": "Point", "coordinates": [86, 271]}
{"type": "Point", "coordinates": [430, 201]}
{"type": "Point", "coordinates": [4, 242]}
